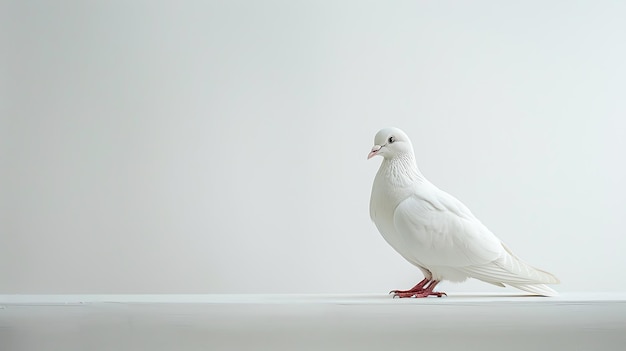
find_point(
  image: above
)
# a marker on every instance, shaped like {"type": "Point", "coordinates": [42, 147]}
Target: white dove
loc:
{"type": "Point", "coordinates": [436, 232]}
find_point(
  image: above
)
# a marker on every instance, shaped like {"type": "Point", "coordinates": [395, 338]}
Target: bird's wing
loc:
{"type": "Point", "coordinates": [443, 232]}
{"type": "Point", "coordinates": [511, 270]}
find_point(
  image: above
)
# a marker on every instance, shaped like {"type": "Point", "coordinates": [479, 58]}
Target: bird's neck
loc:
{"type": "Point", "coordinates": [401, 170]}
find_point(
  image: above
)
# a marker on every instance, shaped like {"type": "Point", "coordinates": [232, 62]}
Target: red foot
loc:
{"type": "Point", "coordinates": [417, 288]}
{"type": "Point", "coordinates": [419, 294]}
{"type": "Point", "coordinates": [419, 291]}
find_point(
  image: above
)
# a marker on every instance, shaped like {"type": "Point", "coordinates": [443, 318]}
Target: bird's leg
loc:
{"type": "Point", "coordinates": [416, 288]}
{"type": "Point", "coordinates": [428, 291]}
{"type": "Point", "coordinates": [423, 292]}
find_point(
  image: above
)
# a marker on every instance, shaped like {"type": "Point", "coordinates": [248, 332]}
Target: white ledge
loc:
{"type": "Point", "coordinates": [352, 299]}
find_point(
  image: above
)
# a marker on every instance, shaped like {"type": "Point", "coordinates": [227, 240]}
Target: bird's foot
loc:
{"type": "Point", "coordinates": [418, 294]}
{"type": "Point", "coordinates": [422, 289]}
{"type": "Point", "coordinates": [417, 288]}
{"type": "Point", "coordinates": [396, 292]}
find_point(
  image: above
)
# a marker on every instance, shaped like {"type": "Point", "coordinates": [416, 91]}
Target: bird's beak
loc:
{"type": "Point", "coordinates": [374, 151]}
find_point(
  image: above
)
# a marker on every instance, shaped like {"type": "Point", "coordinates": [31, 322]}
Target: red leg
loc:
{"type": "Point", "coordinates": [425, 292]}
{"type": "Point", "coordinates": [416, 288]}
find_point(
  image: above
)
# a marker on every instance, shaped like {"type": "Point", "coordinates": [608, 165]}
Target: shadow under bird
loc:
{"type": "Point", "coordinates": [436, 232]}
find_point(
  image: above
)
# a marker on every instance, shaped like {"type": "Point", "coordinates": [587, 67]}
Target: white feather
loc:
{"type": "Point", "coordinates": [436, 232]}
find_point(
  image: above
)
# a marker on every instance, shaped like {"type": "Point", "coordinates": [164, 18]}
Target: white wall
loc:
{"type": "Point", "coordinates": [220, 147]}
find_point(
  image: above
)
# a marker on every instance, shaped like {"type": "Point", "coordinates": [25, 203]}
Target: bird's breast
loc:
{"type": "Point", "coordinates": [383, 202]}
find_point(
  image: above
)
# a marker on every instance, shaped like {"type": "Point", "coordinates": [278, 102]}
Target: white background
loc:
{"type": "Point", "coordinates": [219, 147]}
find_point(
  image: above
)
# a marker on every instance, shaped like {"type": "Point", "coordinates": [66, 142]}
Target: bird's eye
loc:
{"type": "Point", "coordinates": [391, 140]}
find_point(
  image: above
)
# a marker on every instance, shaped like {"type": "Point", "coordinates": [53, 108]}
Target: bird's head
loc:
{"type": "Point", "coordinates": [390, 143]}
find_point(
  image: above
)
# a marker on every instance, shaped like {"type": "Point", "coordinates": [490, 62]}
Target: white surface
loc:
{"type": "Point", "coordinates": [312, 322]}
{"type": "Point", "coordinates": [367, 299]}
{"type": "Point", "coordinates": [219, 146]}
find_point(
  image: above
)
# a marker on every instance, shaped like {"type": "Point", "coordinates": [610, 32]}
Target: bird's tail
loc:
{"type": "Point", "coordinates": [510, 270]}
{"type": "Point", "coordinates": [538, 289]}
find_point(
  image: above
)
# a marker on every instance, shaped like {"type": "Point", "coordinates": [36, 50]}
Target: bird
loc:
{"type": "Point", "coordinates": [435, 231]}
